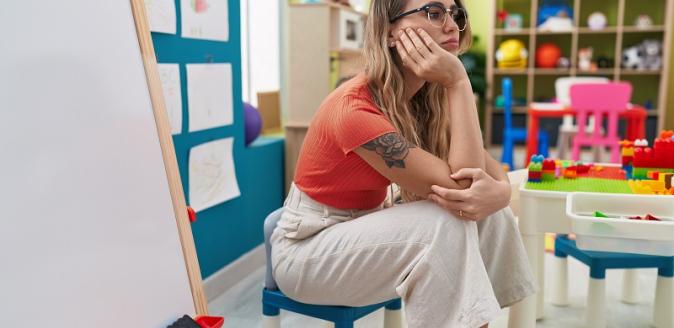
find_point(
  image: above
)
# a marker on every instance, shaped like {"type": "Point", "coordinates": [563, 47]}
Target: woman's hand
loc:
{"type": "Point", "coordinates": [484, 197]}
{"type": "Point", "coordinates": [428, 60]}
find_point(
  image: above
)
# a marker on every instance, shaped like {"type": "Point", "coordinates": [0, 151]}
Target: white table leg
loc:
{"type": "Point", "coordinates": [663, 313]}
{"type": "Point", "coordinates": [630, 286]}
{"type": "Point", "coordinates": [596, 303]}
{"type": "Point", "coordinates": [560, 281]}
{"type": "Point", "coordinates": [540, 274]}
{"type": "Point", "coordinates": [523, 314]}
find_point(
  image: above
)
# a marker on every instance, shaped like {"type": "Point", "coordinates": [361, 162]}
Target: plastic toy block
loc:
{"type": "Point", "coordinates": [667, 134]}
{"type": "Point", "coordinates": [535, 167]}
{"type": "Point", "coordinates": [653, 175]}
{"type": "Point", "coordinates": [537, 158]}
{"type": "Point", "coordinates": [570, 173]}
{"type": "Point", "coordinates": [668, 179]}
{"type": "Point", "coordinates": [535, 176]}
{"type": "Point", "coordinates": [640, 143]}
{"type": "Point", "coordinates": [648, 217]}
{"type": "Point", "coordinates": [582, 184]}
{"type": "Point", "coordinates": [549, 164]}
{"type": "Point", "coordinates": [582, 168]}
{"type": "Point", "coordinates": [548, 176]}
{"type": "Point", "coordinates": [598, 214]}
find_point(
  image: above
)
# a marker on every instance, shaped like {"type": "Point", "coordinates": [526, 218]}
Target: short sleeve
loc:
{"type": "Point", "coordinates": [355, 123]}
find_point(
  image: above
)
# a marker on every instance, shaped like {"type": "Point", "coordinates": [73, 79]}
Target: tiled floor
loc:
{"type": "Point", "coordinates": [241, 305]}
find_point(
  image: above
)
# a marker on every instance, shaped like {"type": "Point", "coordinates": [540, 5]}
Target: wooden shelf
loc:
{"type": "Point", "coordinates": [524, 31]}
{"type": "Point", "coordinates": [332, 5]}
{"type": "Point", "coordinates": [600, 71]}
{"type": "Point", "coordinates": [634, 29]}
{"type": "Point", "coordinates": [639, 72]}
{"type": "Point", "coordinates": [552, 71]}
{"type": "Point", "coordinates": [606, 30]}
{"type": "Point", "coordinates": [569, 32]}
{"type": "Point", "coordinates": [511, 71]}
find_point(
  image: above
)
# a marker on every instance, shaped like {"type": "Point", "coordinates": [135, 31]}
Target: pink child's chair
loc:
{"type": "Point", "coordinates": [603, 101]}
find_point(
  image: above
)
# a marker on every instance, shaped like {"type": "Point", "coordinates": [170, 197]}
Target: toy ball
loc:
{"type": "Point", "coordinates": [563, 62]}
{"type": "Point", "coordinates": [633, 58]}
{"type": "Point", "coordinates": [643, 22]}
{"type": "Point", "coordinates": [512, 54]}
{"type": "Point", "coordinates": [596, 21]}
{"type": "Point", "coordinates": [253, 123]}
{"type": "Point", "coordinates": [547, 55]}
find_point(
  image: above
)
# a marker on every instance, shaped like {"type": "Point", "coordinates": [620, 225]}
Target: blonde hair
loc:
{"type": "Point", "coordinates": [424, 120]}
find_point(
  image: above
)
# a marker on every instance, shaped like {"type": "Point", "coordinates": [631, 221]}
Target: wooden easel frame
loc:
{"type": "Point", "coordinates": [169, 155]}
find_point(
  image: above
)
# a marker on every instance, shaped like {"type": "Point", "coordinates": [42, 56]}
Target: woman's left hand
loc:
{"type": "Point", "coordinates": [484, 197]}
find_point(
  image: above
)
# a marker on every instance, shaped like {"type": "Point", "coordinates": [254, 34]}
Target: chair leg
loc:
{"type": "Point", "coordinates": [271, 321]}
{"type": "Point", "coordinates": [560, 281]}
{"type": "Point", "coordinates": [596, 303]}
{"type": "Point", "coordinates": [663, 312]}
{"type": "Point", "coordinates": [630, 286]}
{"type": "Point", "coordinates": [393, 316]}
{"type": "Point", "coordinates": [271, 316]}
{"type": "Point", "coordinates": [507, 156]}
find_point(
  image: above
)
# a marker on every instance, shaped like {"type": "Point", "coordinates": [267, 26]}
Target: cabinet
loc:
{"type": "Point", "coordinates": [324, 46]}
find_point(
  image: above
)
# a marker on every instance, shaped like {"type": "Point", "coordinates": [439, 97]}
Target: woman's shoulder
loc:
{"type": "Point", "coordinates": [352, 94]}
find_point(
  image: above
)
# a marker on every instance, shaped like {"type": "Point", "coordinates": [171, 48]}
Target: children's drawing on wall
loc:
{"type": "Point", "coordinates": [209, 96]}
{"type": "Point", "coordinates": [169, 74]}
{"type": "Point", "coordinates": [212, 176]}
{"type": "Point", "coordinates": [205, 19]}
{"type": "Point", "coordinates": [162, 15]}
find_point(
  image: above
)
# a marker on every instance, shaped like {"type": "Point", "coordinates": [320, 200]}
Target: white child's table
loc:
{"type": "Point", "coordinates": [546, 211]}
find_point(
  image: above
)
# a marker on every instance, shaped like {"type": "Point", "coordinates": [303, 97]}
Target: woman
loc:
{"type": "Point", "coordinates": [452, 251]}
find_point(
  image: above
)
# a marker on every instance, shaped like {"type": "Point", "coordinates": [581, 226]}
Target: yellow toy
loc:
{"type": "Point", "coordinates": [512, 54]}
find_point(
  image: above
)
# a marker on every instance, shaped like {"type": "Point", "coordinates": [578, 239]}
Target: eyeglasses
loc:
{"type": "Point", "coordinates": [437, 15]}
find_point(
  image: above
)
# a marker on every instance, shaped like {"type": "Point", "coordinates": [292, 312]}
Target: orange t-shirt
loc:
{"type": "Point", "coordinates": [327, 169]}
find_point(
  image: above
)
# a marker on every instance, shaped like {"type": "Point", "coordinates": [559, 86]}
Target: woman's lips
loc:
{"type": "Point", "coordinates": [452, 43]}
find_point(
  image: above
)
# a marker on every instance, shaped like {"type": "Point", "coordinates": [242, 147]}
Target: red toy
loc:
{"type": "Point", "coordinates": [210, 322]}
{"type": "Point", "coordinates": [648, 217]}
{"type": "Point", "coordinates": [547, 55]}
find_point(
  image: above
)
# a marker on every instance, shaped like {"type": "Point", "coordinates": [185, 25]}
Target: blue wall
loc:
{"type": "Point", "coordinates": [226, 231]}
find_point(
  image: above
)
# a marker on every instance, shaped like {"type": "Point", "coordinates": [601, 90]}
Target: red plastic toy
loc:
{"type": "Point", "coordinates": [210, 322]}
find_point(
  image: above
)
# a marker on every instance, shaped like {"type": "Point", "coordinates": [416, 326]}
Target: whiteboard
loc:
{"type": "Point", "coordinates": [88, 233]}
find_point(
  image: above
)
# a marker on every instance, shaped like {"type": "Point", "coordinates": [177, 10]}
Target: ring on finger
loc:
{"type": "Point", "coordinates": [461, 213]}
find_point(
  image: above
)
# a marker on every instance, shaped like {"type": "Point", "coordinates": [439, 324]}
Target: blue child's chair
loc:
{"type": "Point", "coordinates": [273, 300]}
{"type": "Point", "coordinates": [512, 135]}
{"type": "Point", "coordinates": [599, 262]}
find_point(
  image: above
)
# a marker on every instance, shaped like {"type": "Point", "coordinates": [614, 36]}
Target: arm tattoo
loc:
{"type": "Point", "coordinates": [392, 147]}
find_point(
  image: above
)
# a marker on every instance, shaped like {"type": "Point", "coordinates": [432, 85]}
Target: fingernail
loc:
{"type": "Point", "coordinates": [419, 30]}
{"type": "Point", "coordinates": [409, 30]}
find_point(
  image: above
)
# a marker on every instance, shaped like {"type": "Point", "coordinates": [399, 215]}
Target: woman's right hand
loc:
{"type": "Point", "coordinates": [421, 54]}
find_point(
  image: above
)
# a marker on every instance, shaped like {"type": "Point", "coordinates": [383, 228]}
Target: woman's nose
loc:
{"type": "Point", "coordinates": [450, 24]}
